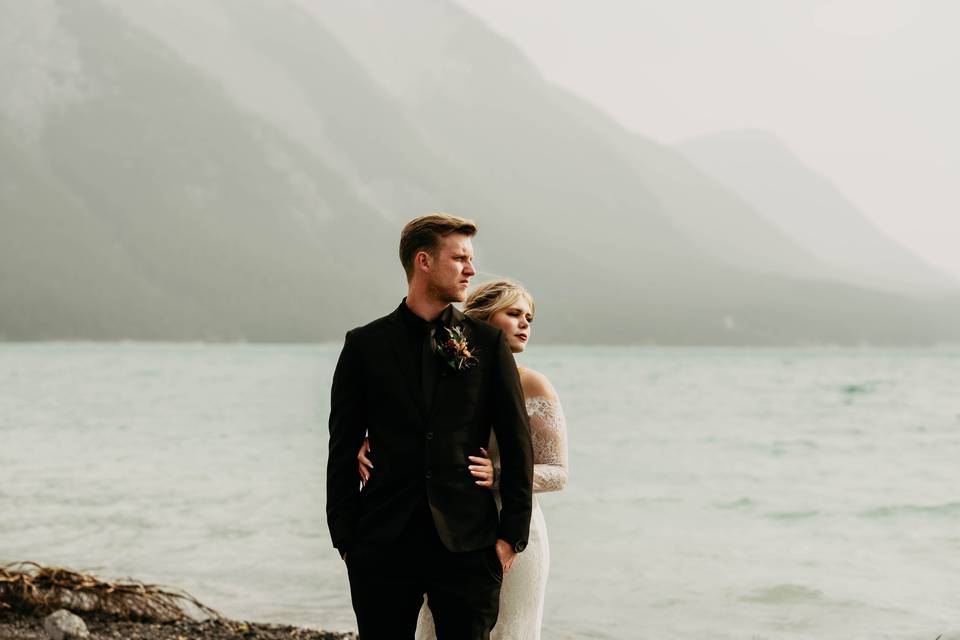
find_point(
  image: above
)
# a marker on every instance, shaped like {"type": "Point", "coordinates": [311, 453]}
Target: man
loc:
{"type": "Point", "coordinates": [427, 384]}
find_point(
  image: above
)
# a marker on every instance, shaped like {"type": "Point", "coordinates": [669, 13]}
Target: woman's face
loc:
{"type": "Point", "coordinates": [515, 321]}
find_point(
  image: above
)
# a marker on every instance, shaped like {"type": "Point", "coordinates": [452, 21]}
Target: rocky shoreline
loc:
{"type": "Point", "coordinates": [17, 626]}
{"type": "Point", "coordinates": [39, 602]}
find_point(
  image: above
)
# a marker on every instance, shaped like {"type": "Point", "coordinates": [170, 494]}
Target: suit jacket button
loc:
{"type": "Point", "coordinates": [429, 435]}
{"type": "Point", "coordinates": [429, 474]}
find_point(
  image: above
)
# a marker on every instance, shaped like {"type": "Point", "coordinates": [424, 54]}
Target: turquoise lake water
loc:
{"type": "Point", "coordinates": [713, 493]}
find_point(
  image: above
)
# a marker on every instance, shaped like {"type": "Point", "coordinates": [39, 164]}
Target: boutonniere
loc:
{"type": "Point", "coordinates": [454, 348]}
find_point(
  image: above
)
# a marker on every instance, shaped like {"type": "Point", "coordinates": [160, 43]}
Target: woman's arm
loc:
{"type": "Point", "coordinates": [548, 430]}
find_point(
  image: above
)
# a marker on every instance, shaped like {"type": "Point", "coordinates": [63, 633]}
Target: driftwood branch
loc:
{"type": "Point", "coordinates": [30, 588]}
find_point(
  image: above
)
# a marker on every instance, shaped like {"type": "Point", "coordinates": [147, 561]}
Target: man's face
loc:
{"type": "Point", "coordinates": [451, 268]}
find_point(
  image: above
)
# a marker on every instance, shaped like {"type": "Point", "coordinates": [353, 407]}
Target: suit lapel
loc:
{"type": "Point", "coordinates": [396, 336]}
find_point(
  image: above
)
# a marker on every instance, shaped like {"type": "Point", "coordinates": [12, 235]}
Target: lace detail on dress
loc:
{"type": "Point", "coordinates": [548, 430]}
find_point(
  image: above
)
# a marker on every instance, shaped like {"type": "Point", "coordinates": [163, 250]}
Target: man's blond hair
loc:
{"type": "Point", "coordinates": [425, 233]}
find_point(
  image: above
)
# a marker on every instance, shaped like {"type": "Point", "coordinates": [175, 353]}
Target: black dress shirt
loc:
{"type": "Point", "coordinates": [420, 345]}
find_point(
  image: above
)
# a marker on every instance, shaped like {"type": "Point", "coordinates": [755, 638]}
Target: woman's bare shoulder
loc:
{"type": "Point", "coordinates": [536, 385]}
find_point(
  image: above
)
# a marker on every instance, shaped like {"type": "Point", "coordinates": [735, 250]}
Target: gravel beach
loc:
{"type": "Point", "coordinates": [21, 627]}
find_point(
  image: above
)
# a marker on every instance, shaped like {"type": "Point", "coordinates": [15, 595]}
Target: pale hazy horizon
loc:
{"type": "Point", "coordinates": [857, 89]}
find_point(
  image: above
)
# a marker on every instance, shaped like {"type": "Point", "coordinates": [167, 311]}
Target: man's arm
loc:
{"type": "Point", "coordinates": [347, 428]}
{"type": "Point", "coordinates": [516, 451]}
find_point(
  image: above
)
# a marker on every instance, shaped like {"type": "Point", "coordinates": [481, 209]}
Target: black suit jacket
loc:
{"type": "Point", "coordinates": [421, 454]}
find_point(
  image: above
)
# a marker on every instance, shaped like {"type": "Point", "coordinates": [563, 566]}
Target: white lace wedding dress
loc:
{"type": "Point", "coordinates": [521, 595]}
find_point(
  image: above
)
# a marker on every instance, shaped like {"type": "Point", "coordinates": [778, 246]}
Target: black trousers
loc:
{"type": "Point", "coordinates": [388, 581]}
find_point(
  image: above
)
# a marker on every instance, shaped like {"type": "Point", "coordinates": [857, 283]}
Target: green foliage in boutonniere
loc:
{"type": "Point", "coordinates": [454, 348]}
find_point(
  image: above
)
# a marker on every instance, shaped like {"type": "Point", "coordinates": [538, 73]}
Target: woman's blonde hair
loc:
{"type": "Point", "coordinates": [491, 297]}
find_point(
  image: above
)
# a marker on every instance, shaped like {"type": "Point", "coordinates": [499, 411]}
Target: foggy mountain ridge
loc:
{"type": "Point", "coordinates": [168, 195]}
{"type": "Point", "coordinates": [703, 208]}
{"type": "Point", "coordinates": [175, 182]}
{"type": "Point", "coordinates": [813, 211]}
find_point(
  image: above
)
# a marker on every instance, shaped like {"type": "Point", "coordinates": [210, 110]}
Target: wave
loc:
{"type": "Point", "coordinates": [783, 594]}
{"type": "Point", "coordinates": [868, 386]}
{"type": "Point", "coordinates": [737, 504]}
{"type": "Point", "coordinates": [793, 515]}
{"type": "Point", "coordinates": [947, 509]}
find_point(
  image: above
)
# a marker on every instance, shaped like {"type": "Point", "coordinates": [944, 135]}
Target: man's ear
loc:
{"type": "Point", "coordinates": [422, 260]}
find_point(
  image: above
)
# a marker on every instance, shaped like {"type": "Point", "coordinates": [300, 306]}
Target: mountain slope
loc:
{"type": "Point", "coordinates": [241, 170]}
{"type": "Point", "coordinates": [211, 206]}
{"type": "Point", "coordinates": [662, 249]}
{"type": "Point", "coordinates": [813, 211]}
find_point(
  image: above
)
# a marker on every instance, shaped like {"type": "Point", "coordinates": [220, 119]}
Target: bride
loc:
{"type": "Point", "coordinates": [508, 306]}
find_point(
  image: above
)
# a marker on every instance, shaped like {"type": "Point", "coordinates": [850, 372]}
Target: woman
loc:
{"type": "Point", "coordinates": [508, 306]}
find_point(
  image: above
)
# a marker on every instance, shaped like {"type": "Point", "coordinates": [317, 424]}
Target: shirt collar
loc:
{"type": "Point", "coordinates": [416, 323]}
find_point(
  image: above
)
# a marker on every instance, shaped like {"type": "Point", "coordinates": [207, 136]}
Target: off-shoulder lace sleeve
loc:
{"type": "Point", "coordinates": [548, 430]}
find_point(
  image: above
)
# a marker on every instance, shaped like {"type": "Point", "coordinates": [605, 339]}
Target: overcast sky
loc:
{"type": "Point", "coordinates": [864, 91]}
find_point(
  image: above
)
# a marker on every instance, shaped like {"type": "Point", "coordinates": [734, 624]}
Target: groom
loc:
{"type": "Point", "coordinates": [427, 384]}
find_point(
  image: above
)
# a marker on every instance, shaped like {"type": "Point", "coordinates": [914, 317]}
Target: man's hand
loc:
{"type": "Point", "coordinates": [506, 554]}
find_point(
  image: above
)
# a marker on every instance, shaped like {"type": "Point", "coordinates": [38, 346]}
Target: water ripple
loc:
{"type": "Point", "coordinates": [948, 509]}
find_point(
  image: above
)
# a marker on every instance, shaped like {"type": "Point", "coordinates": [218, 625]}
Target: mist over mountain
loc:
{"type": "Point", "coordinates": [209, 170]}
{"type": "Point", "coordinates": [810, 209]}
